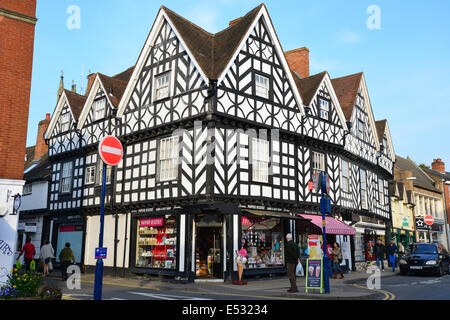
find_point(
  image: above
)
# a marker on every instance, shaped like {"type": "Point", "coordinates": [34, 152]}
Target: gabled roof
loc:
{"type": "Point", "coordinates": [422, 180]}
{"type": "Point", "coordinates": [76, 103]}
{"type": "Point", "coordinates": [212, 51]}
{"type": "Point", "coordinates": [308, 86]}
{"type": "Point", "coordinates": [212, 54]}
{"type": "Point", "coordinates": [114, 88]}
{"type": "Point", "coordinates": [381, 126]}
{"type": "Point", "coordinates": [346, 89]}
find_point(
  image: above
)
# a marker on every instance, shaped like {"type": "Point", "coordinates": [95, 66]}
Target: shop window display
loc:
{"type": "Point", "coordinates": [264, 241]}
{"type": "Point", "coordinates": [156, 243]}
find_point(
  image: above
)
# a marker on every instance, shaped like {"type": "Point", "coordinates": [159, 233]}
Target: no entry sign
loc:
{"type": "Point", "coordinates": [429, 220]}
{"type": "Point", "coordinates": [110, 150]}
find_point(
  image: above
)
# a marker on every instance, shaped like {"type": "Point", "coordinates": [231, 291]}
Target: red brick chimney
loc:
{"type": "Point", "coordinates": [438, 165]}
{"type": "Point", "coordinates": [41, 148]}
{"type": "Point", "coordinates": [298, 60]}
{"type": "Point", "coordinates": [91, 79]}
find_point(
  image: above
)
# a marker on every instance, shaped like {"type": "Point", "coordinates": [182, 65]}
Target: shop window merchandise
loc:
{"type": "Point", "coordinates": [156, 243]}
{"type": "Point", "coordinates": [264, 241]}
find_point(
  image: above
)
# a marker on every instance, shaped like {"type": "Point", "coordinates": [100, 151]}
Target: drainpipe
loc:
{"type": "Point", "coordinates": [125, 244]}
{"type": "Point", "coordinates": [116, 225]}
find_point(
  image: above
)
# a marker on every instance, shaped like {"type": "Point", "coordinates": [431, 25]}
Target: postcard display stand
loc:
{"type": "Point", "coordinates": [157, 244]}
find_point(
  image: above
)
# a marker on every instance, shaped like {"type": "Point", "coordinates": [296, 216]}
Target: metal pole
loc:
{"type": "Point", "coordinates": [325, 257]}
{"type": "Point", "coordinates": [99, 265]}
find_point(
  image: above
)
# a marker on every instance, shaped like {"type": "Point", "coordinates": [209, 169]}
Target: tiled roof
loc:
{"type": "Point", "coordinates": [346, 89]}
{"type": "Point", "coordinates": [125, 75]}
{"type": "Point", "coordinates": [212, 51]}
{"type": "Point", "coordinates": [114, 88]}
{"type": "Point", "coordinates": [29, 154]}
{"type": "Point", "coordinates": [445, 176]}
{"type": "Point", "coordinates": [76, 103]}
{"type": "Point", "coordinates": [422, 180]}
{"type": "Point", "coordinates": [308, 86]}
{"type": "Point", "coordinates": [39, 172]}
{"type": "Point", "coordinates": [381, 126]}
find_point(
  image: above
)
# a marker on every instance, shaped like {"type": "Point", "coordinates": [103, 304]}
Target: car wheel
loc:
{"type": "Point", "coordinates": [440, 272]}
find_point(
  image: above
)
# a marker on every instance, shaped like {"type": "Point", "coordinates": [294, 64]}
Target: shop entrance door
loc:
{"type": "Point", "coordinates": [209, 252]}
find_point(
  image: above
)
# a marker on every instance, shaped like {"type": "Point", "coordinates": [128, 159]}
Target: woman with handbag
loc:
{"type": "Point", "coordinates": [47, 253]}
{"type": "Point", "coordinates": [337, 259]}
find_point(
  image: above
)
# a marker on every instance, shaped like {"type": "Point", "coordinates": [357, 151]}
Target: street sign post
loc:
{"type": "Point", "coordinates": [111, 152]}
{"type": "Point", "coordinates": [325, 208]}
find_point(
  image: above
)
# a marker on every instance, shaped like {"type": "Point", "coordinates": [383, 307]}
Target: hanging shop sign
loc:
{"type": "Point", "coordinates": [314, 274]}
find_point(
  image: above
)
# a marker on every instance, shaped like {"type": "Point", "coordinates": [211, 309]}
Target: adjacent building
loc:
{"type": "Point", "coordinates": [222, 135]}
{"type": "Point", "coordinates": [17, 25]}
{"type": "Point", "coordinates": [428, 201]}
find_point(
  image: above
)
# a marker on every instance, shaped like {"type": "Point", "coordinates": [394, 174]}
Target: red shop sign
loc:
{"type": "Point", "coordinates": [158, 222]}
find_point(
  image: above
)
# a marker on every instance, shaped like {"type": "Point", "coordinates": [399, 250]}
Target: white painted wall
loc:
{"type": "Point", "coordinates": [92, 237]}
{"type": "Point", "coordinates": [37, 199]}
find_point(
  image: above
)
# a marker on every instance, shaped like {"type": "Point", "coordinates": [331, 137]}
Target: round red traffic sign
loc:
{"type": "Point", "coordinates": [110, 150]}
{"type": "Point", "coordinates": [429, 220]}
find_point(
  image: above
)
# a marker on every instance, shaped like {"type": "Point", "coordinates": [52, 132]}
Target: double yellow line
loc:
{"type": "Point", "coordinates": [387, 295]}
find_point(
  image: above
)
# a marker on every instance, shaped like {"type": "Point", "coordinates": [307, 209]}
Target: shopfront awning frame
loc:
{"type": "Point", "coordinates": [273, 214]}
{"type": "Point", "coordinates": [330, 230]}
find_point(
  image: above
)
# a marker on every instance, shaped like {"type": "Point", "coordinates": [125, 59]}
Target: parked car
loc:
{"type": "Point", "coordinates": [424, 258]}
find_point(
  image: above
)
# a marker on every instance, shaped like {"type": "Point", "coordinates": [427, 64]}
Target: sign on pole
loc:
{"type": "Point", "coordinates": [429, 220]}
{"type": "Point", "coordinates": [110, 150]}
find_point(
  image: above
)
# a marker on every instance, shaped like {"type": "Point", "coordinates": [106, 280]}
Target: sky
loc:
{"type": "Point", "coordinates": [403, 48]}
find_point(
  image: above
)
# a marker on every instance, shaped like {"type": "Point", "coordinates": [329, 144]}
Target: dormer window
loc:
{"type": "Point", "coordinates": [262, 86]}
{"type": "Point", "coordinates": [324, 109]}
{"type": "Point", "coordinates": [99, 109]}
{"type": "Point", "coordinates": [162, 82]}
{"type": "Point", "coordinates": [65, 122]}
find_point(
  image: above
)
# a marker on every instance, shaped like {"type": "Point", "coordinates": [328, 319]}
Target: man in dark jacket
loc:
{"type": "Point", "coordinates": [292, 258]}
{"type": "Point", "coordinates": [391, 252]}
{"type": "Point", "coordinates": [380, 251]}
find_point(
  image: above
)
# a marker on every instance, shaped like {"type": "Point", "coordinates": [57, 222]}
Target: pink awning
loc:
{"type": "Point", "coordinates": [332, 225]}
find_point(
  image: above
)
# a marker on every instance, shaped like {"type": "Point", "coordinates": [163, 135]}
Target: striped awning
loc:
{"type": "Point", "coordinates": [332, 225]}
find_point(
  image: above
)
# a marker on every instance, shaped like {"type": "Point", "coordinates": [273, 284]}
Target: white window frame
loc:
{"type": "Point", "coordinates": [262, 86]}
{"type": "Point", "coordinates": [65, 122]}
{"type": "Point", "coordinates": [100, 173]}
{"type": "Point", "coordinates": [260, 160]}
{"type": "Point", "coordinates": [324, 109]}
{"type": "Point", "coordinates": [345, 176]}
{"type": "Point", "coordinates": [27, 189]}
{"type": "Point", "coordinates": [99, 107]}
{"type": "Point", "coordinates": [66, 177]}
{"type": "Point", "coordinates": [381, 191]}
{"type": "Point", "coordinates": [160, 87]}
{"type": "Point", "coordinates": [89, 177]}
{"type": "Point", "coordinates": [360, 129]}
{"type": "Point", "coordinates": [363, 187]}
{"type": "Point", "coordinates": [318, 162]}
{"type": "Point", "coordinates": [168, 158]}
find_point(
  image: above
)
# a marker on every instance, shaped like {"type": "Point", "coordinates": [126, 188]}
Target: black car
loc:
{"type": "Point", "coordinates": [424, 258]}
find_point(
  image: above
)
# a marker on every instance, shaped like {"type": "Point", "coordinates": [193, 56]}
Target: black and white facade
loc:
{"type": "Point", "coordinates": [219, 151]}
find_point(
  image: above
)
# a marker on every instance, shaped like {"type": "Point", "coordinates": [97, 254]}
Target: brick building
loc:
{"type": "Point", "coordinates": [17, 26]}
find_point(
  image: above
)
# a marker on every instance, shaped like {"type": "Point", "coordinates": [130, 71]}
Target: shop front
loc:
{"type": "Point", "coordinates": [403, 236]}
{"type": "Point", "coordinates": [337, 232]}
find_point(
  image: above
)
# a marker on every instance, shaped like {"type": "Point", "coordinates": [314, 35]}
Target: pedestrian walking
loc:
{"type": "Point", "coordinates": [329, 253]}
{"type": "Point", "coordinates": [66, 257]}
{"type": "Point", "coordinates": [392, 250]}
{"type": "Point", "coordinates": [47, 253]}
{"type": "Point", "coordinates": [30, 251]}
{"type": "Point", "coordinates": [441, 248]}
{"type": "Point", "coordinates": [380, 252]}
{"type": "Point", "coordinates": [337, 259]}
{"type": "Point", "coordinates": [292, 258]}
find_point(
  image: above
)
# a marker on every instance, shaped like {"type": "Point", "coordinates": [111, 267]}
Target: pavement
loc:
{"type": "Point", "coordinates": [352, 287]}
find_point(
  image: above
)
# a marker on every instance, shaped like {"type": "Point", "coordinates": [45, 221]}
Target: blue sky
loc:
{"type": "Point", "coordinates": [406, 62]}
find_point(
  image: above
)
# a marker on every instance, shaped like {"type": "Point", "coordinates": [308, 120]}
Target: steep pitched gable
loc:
{"type": "Point", "coordinates": [383, 131]}
{"type": "Point", "coordinates": [70, 100]}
